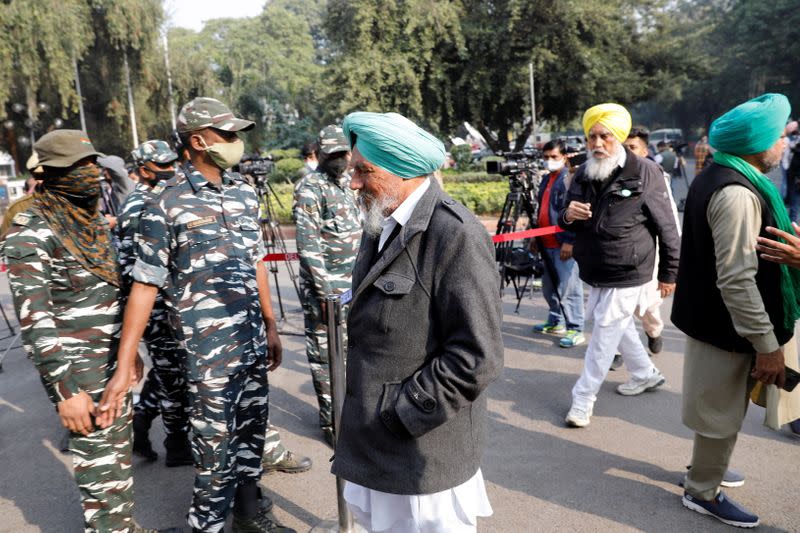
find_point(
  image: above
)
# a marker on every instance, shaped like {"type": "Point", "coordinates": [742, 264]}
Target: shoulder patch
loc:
{"type": "Point", "coordinates": [200, 222]}
{"type": "Point", "coordinates": [21, 219]}
{"type": "Point", "coordinates": [310, 208]}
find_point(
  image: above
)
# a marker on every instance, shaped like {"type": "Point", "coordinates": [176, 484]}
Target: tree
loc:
{"type": "Point", "coordinates": [393, 55]}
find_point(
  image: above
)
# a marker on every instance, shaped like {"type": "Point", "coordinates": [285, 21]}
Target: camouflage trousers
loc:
{"type": "Point", "coordinates": [274, 450]}
{"type": "Point", "coordinates": [165, 390]}
{"type": "Point", "coordinates": [102, 466]}
{"type": "Point", "coordinates": [316, 331]}
{"type": "Point", "coordinates": [229, 420]}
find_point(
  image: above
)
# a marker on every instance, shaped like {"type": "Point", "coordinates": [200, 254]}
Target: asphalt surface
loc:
{"type": "Point", "coordinates": [619, 474]}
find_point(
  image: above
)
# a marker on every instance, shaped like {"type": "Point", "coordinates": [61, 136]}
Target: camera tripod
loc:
{"type": "Point", "coordinates": [274, 240]}
{"type": "Point", "coordinates": [522, 198]}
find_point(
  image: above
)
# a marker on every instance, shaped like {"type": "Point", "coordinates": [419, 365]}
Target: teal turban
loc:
{"type": "Point", "coordinates": [751, 127]}
{"type": "Point", "coordinates": [394, 143]}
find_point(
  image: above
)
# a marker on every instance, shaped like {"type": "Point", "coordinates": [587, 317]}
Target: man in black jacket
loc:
{"type": "Point", "coordinates": [617, 206]}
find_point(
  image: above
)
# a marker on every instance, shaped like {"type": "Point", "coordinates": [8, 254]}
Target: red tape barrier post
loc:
{"type": "Point", "coordinates": [503, 237]}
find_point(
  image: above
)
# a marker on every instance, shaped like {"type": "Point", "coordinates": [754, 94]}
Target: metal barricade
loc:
{"type": "Point", "coordinates": [336, 358]}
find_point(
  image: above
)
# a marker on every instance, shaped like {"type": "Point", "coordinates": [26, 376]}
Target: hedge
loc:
{"type": "Point", "coordinates": [483, 199]}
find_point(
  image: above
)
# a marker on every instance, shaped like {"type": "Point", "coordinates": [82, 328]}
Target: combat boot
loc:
{"type": "Point", "coordinates": [179, 452]}
{"type": "Point", "coordinates": [262, 522]}
{"type": "Point", "coordinates": [141, 439]}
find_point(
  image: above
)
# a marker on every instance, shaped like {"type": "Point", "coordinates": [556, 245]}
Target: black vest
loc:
{"type": "Point", "coordinates": [698, 309]}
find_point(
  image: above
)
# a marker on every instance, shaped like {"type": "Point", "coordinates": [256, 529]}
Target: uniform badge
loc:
{"type": "Point", "coordinates": [347, 297]}
{"type": "Point", "coordinates": [201, 222]}
{"type": "Point", "coordinates": [21, 219]}
{"type": "Point", "coordinates": [310, 209]}
{"type": "Point", "coordinates": [157, 189]}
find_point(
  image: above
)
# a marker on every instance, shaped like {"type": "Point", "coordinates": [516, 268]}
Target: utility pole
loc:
{"type": "Point", "coordinates": [533, 104]}
{"type": "Point", "coordinates": [80, 94]}
{"type": "Point", "coordinates": [131, 110]}
{"type": "Point", "coordinates": [169, 82]}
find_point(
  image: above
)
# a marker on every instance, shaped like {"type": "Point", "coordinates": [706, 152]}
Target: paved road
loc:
{"type": "Point", "coordinates": [619, 474]}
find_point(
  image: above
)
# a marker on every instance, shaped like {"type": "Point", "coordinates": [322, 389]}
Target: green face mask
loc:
{"type": "Point", "coordinates": [225, 155]}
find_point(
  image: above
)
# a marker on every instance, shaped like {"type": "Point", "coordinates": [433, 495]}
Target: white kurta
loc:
{"type": "Point", "coordinates": [449, 511]}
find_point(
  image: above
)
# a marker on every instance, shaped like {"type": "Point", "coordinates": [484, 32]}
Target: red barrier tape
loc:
{"type": "Point", "coordinates": [538, 232]}
{"type": "Point", "coordinates": [504, 237]}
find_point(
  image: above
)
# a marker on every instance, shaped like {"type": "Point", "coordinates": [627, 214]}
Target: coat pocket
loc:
{"type": "Point", "coordinates": [392, 287]}
{"type": "Point", "coordinates": [386, 409]}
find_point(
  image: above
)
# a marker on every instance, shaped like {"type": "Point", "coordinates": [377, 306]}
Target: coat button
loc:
{"type": "Point", "coordinates": [429, 405]}
{"type": "Point", "coordinates": [386, 416]}
{"type": "Point", "coordinates": [388, 286]}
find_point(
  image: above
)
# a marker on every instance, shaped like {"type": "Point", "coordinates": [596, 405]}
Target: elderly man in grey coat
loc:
{"type": "Point", "coordinates": [424, 340]}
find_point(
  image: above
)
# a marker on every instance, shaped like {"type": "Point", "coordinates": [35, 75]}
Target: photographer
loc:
{"type": "Point", "coordinates": [558, 248]}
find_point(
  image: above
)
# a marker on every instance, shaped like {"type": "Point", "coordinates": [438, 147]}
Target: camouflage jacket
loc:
{"type": "Point", "coordinates": [201, 242]}
{"type": "Point", "coordinates": [328, 232]}
{"type": "Point", "coordinates": [127, 228]}
{"type": "Point", "coordinates": [70, 318]}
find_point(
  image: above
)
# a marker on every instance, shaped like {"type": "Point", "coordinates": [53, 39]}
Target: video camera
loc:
{"type": "Point", "coordinates": [516, 163]}
{"type": "Point", "coordinates": [254, 165]}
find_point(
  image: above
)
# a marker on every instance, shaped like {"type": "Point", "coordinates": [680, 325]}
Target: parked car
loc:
{"type": "Point", "coordinates": [673, 136]}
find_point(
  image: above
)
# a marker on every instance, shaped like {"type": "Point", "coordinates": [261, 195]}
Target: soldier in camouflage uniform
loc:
{"type": "Point", "coordinates": [65, 285]}
{"type": "Point", "coordinates": [328, 235]}
{"type": "Point", "coordinates": [165, 390]}
{"type": "Point", "coordinates": [199, 241]}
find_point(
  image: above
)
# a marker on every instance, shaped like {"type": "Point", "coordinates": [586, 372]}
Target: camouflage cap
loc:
{"type": "Point", "coordinates": [331, 140]}
{"type": "Point", "coordinates": [64, 148]}
{"type": "Point", "coordinates": [203, 112]}
{"type": "Point", "coordinates": [155, 151]}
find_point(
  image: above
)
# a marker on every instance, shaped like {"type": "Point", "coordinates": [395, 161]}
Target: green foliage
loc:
{"type": "Point", "coordinates": [469, 177]}
{"type": "Point", "coordinates": [480, 198]}
{"type": "Point", "coordinates": [290, 153]}
{"type": "Point", "coordinates": [462, 155]}
{"type": "Point", "coordinates": [282, 202]}
{"type": "Point", "coordinates": [390, 55]}
{"type": "Point", "coordinates": [286, 171]}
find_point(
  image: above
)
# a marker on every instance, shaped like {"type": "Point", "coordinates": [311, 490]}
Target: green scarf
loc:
{"type": "Point", "coordinates": [790, 277]}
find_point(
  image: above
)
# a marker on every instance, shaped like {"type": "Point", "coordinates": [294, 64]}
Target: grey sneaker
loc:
{"type": "Point", "coordinates": [634, 387]}
{"type": "Point", "coordinates": [578, 417]}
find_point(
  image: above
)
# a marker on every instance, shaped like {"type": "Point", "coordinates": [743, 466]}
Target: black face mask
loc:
{"type": "Point", "coordinates": [334, 167]}
{"type": "Point", "coordinates": [157, 176]}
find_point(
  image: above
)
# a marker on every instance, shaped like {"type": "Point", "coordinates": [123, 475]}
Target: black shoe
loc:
{"type": "Point", "coordinates": [179, 452]}
{"type": "Point", "coordinates": [290, 464]}
{"type": "Point", "coordinates": [141, 440]}
{"type": "Point", "coordinates": [655, 344]}
{"type": "Point", "coordinates": [327, 434]}
{"type": "Point", "coordinates": [262, 522]}
{"type": "Point", "coordinates": [616, 364]}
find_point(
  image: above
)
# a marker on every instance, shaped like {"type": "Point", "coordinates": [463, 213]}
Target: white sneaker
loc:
{"type": "Point", "coordinates": [634, 387]}
{"type": "Point", "coordinates": [578, 417]}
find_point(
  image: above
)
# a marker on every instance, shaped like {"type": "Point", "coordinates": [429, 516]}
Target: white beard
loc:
{"type": "Point", "coordinates": [599, 169]}
{"type": "Point", "coordinates": [375, 212]}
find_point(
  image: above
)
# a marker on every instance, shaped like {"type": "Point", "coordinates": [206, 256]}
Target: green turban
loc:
{"type": "Point", "coordinates": [394, 143]}
{"type": "Point", "coordinates": [751, 127]}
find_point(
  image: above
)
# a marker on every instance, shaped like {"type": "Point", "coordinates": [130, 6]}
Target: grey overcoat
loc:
{"type": "Point", "coordinates": [424, 342]}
